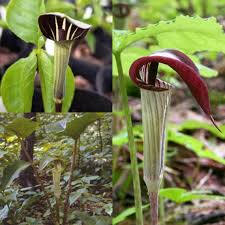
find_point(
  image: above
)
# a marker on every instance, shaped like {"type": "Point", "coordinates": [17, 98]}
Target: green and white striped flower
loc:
{"type": "Point", "coordinates": [64, 31]}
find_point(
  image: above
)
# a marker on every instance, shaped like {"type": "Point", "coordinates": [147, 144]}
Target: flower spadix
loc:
{"type": "Point", "coordinates": [155, 100]}
{"type": "Point", "coordinates": [64, 31]}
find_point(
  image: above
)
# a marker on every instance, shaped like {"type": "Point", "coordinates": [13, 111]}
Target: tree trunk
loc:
{"type": "Point", "coordinates": [27, 178]}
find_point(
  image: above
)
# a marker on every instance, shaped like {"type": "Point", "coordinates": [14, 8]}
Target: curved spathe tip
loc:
{"type": "Point", "coordinates": [59, 27]}
{"type": "Point", "coordinates": [143, 73]}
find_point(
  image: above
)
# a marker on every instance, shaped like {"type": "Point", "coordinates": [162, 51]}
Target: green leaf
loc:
{"type": "Point", "coordinates": [76, 127]}
{"type": "Point", "coordinates": [22, 19]}
{"type": "Point", "coordinates": [70, 90]}
{"type": "Point", "coordinates": [59, 6]}
{"type": "Point", "coordinates": [197, 33]}
{"type": "Point", "coordinates": [45, 66]}
{"type": "Point", "coordinates": [194, 125]}
{"type": "Point", "coordinates": [193, 144]}
{"type": "Point", "coordinates": [17, 85]}
{"type": "Point", "coordinates": [76, 195]}
{"type": "Point", "coordinates": [180, 195]}
{"type": "Point", "coordinates": [22, 127]}
{"type": "Point", "coordinates": [11, 172]}
{"type": "Point", "coordinates": [123, 215]}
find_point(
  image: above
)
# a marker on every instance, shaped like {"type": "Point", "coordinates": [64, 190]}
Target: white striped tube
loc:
{"type": "Point", "coordinates": [61, 59]}
{"type": "Point", "coordinates": [154, 116]}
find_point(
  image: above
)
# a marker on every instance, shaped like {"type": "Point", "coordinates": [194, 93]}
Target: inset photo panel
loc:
{"type": "Point", "coordinates": [55, 169]}
{"type": "Point", "coordinates": [55, 56]}
{"type": "Point", "coordinates": [168, 119]}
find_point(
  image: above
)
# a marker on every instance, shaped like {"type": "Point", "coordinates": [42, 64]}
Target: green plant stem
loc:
{"type": "Point", "coordinates": [40, 183]}
{"type": "Point", "coordinates": [100, 135]}
{"type": "Point", "coordinates": [131, 143]}
{"type": "Point", "coordinates": [61, 59]}
{"type": "Point", "coordinates": [73, 165]}
{"type": "Point", "coordinates": [57, 205]}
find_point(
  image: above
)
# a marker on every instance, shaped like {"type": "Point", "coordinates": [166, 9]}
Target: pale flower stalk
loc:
{"type": "Point", "coordinates": [155, 107]}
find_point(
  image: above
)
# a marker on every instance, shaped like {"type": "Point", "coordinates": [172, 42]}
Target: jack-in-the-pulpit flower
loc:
{"type": "Point", "coordinates": [155, 100]}
{"type": "Point", "coordinates": [64, 31]}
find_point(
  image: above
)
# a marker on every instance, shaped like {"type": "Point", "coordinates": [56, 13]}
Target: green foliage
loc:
{"type": "Point", "coordinates": [180, 195]}
{"type": "Point", "coordinates": [11, 172]}
{"type": "Point", "coordinates": [193, 144]}
{"type": "Point", "coordinates": [127, 212]}
{"type": "Point", "coordinates": [22, 19]}
{"type": "Point", "coordinates": [45, 66]}
{"type": "Point", "coordinates": [194, 124]}
{"type": "Point", "coordinates": [22, 127]}
{"type": "Point", "coordinates": [192, 34]}
{"type": "Point", "coordinates": [17, 85]}
{"type": "Point", "coordinates": [60, 6]}
{"type": "Point", "coordinates": [173, 135]}
{"type": "Point", "coordinates": [75, 127]}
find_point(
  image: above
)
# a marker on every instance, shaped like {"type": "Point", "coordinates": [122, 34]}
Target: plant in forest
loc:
{"type": "Point", "coordinates": [70, 128]}
{"type": "Point", "coordinates": [64, 31]}
{"type": "Point", "coordinates": [155, 100]}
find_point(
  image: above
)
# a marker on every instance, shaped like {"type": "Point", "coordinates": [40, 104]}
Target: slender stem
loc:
{"type": "Point", "coordinates": [162, 207]}
{"type": "Point", "coordinates": [73, 164]}
{"type": "Point", "coordinates": [57, 206]}
{"type": "Point", "coordinates": [40, 182]}
{"type": "Point", "coordinates": [61, 59]}
{"type": "Point", "coordinates": [100, 135]}
{"type": "Point", "coordinates": [153, 198]}
{"type": "Point", "coordinates": [131, 143]}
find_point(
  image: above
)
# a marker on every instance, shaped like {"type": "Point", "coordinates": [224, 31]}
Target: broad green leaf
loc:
{"type": "Point", "coordinates": [11, 172]}
{"type": "Point", "coordinates": [76, 195]}
{"type": "Point", "coordinates": [197, 33]}
{"type": "Point", "coordinates": [194, 124]}
{"type": "Point", "coordinates": [17, 85]}
{"type": "Point", "coordinates": [45, 66]}
{"type": "Point", "coordinates": [180, 195]}
{"type": "Point", "coordinates": [22, 19]}
{"type": "Point", "coordinates": [22, 127]}
{"type": "Point", "coordinates": [76, 127]}
{"type": "Point", "coordinates": [59, 6]}
{"type": "Point", "coordinates": [174, 136]}
{"type": "Point", "coordinates": [193, 144]}
{"type": "Point", "coordinates": [127, 212]}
